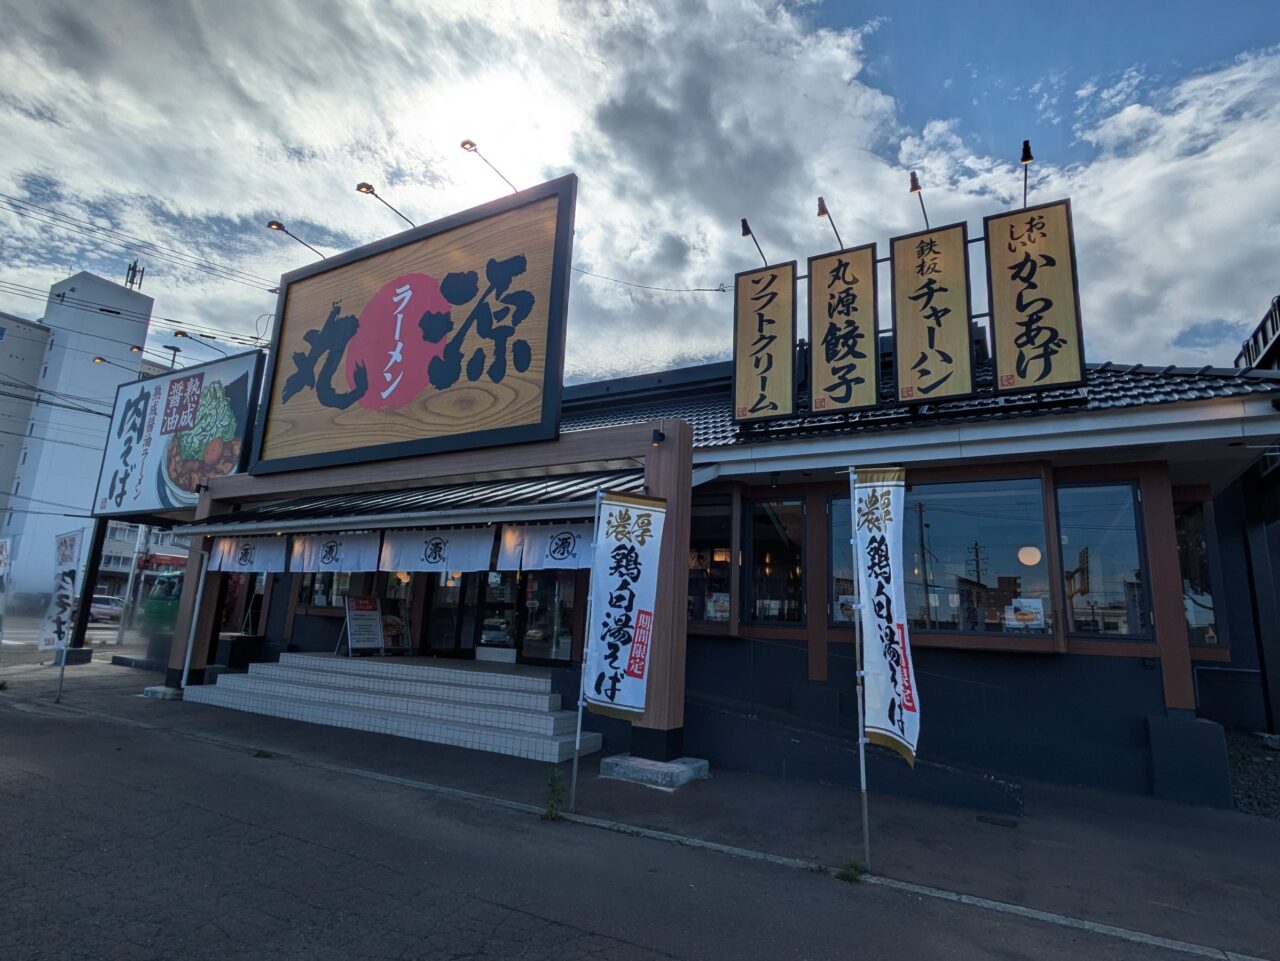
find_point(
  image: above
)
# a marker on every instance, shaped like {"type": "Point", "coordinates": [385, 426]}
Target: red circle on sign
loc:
{"type": "Point", "coordinates": [389, 341]}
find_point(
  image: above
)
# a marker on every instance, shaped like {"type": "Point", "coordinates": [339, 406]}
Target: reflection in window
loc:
{"type": "Point", "coordinates": [844, 584]}
{"type": "Point", "coordinates": [775, 544]}
{"type": "Point", "coordinates": [1193, 562]}
{"type": "Point", "coordinates": [1102, 562]}
{"type": "Point", "coordinates": [710, 567]}
{"type": "Point", "coordinates": [548, 605]}
{"type": "Point", "coordinates": [975, 557]}
{"type": "Point", "coordinates": [324, 590]}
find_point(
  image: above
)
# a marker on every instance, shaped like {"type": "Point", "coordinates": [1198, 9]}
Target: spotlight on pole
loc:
{"type": "Point", "coordinates": [277, 225]}
{"type": "Point", "coordinates": [1026, 166]}
{"type": "Point", "coordinates": [916, 189]}
{"type": "Point", "coordinates": [470, 147]}
{"type": "Point", "coordinates": [824, 212]}
{"type": "Point", "coordinates": [746, 232]}
{"type": "Point", "coordinates": [365, 188]}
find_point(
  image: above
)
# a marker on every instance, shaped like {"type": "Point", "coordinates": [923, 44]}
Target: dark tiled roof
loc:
{"type": "Point", "coordinates": [701, 396]}
{"type": "Point", "coordinates": [549, 490]}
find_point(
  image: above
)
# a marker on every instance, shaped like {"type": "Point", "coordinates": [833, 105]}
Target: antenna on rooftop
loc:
{"type": "Point", "coordinates": [133, 275]}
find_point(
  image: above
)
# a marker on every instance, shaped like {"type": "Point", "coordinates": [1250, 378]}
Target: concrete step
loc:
{"type": "Point", "coordinates": [513, 677]}
{"type": "Point", "coordinates": [323, 688]}
{"type": "Point", "coordinates": [538, 747]}
{"type": "Point", "coordinates": [428, 685]}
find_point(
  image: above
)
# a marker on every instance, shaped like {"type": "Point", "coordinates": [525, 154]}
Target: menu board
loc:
{"type": "Point", "coordinates": [364, 624]}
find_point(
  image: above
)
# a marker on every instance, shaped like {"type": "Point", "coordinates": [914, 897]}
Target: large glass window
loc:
{"type": "Point", "coordinates": [710, 560]}
{"type": "Point", "coordinates": [844, 584]}
{"type": "Point", "coordinates": [975, 557]}
{"type": "Point", "coordinates": [774, 562]}
{"type": "Point", "coordinates": [1103, 565]}
{"type": "Point", "coordinates": [1197, 583]}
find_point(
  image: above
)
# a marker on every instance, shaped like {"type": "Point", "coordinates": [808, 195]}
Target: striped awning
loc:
{"type": "Point", "coordinates": [551, 498]}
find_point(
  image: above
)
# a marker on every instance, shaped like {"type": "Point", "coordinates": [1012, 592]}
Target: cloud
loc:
{"type": "Point", "coordinates": [191, 124]}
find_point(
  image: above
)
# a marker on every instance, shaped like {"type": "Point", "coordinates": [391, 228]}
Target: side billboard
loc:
{"type": "Point", "coordinates": [169, 434]}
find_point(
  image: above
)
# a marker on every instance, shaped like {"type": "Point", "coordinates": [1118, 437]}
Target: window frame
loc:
{"type": "Point", "coordinates": [832, 623]}
{"type": "Point", "coordinates": [704, 626]}
{"type": "Point", "coordinates": [1135, 485]}
{"type": "Point", "coordinates": [746, 599]}
{"type": "Point", "coordinates": [1049, 639]}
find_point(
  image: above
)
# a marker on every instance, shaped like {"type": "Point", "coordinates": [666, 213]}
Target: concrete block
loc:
{"type": "Point", "coordinates": [500, 655]}
{"type": "Point", "coordinates": [162, 693]}
{"type": "Point", "coordinates": [666, 775]}
{"type": "Point", "coordinates": [1189, 761]}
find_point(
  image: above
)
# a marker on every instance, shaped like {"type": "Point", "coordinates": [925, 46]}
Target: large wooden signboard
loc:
{"type": "Point", "coordinates": [445, 337]}
{"type": "Point", "coordinates": [933, 346]}
{"type": "Point", "coordinates": [1035, 298]}
{"type": "Point", "coordinates": [844, 357]}
{"type": "Point", "coordinates": [764, 337]}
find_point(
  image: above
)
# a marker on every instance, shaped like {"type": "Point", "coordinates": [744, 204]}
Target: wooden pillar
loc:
{"type": "Point", "coordinates": [817, 580]}
{"type": "Point", "coordinates": [1166, 588]}
{"type": "Point", "coordinates": [668, 473]}
{"type": "Point", "coordinates": [205, 618]}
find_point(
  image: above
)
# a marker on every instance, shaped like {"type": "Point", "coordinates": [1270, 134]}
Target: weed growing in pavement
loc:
{"type": "Point", "coordinates": [4, 685]}
{"type": "Point", "coordinates": [850, 871]}
{"type": "Point", "coordinates": [555, 797]}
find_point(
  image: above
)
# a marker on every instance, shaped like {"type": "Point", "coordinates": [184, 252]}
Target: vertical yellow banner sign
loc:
{"type": "Point", "coordinates": [764, 336]}
{"type": "Point", "coordinates": [1035, 298]}
{"type": "Point", "coordinates": [932, 344]}
{"type": "Point", "coordinates": [844, 359]}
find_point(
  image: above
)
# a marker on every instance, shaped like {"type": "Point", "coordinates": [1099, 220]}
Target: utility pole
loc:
{"type": "Point", "coordinates": [924, 566]}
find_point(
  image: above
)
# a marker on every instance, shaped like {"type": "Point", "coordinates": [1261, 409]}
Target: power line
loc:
{"type": "Point", "coordinates": [23, 510]}
{"type": "Point", "coordinates": [722, 289]}
{"type": "Point", "coordinates": [52, 440]}
{"type": "Point", "coordinates": [96, 307]}
{"type": "Point", "coordinates": [116, 238]}
{"type": "Point", "coordinates": [53, 403]}
{"type": "Point", "coordinates": [38, 500]}
{"type": "Point", "coordinates": [66, 398]}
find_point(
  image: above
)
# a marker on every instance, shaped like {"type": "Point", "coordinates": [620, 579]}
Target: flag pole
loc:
{"type": "Point", "coordinates": [862, 746]}
{"type": "Point", "coordinates": [582, 676]}
{"type": "Point", "coordinates": [860, 639]}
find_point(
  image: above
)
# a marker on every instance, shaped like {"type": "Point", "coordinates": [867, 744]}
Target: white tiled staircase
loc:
{"type": "Point", "coordinates": [508, 711]}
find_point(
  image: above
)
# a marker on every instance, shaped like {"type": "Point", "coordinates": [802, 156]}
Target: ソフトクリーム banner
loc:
{"type": "Point", "coordinates": [626, 562]}
{"type": "Point", "coordinates": [892, 700]}
{"type": "Point", "coordinates": [446, 337]}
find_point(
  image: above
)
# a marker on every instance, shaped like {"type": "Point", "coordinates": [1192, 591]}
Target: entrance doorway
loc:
{"type": "Point", "coordinates": [531, 617]}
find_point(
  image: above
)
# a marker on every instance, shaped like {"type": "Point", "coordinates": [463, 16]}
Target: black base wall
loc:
{"type": "Point", "coordinates": [1067, 718]}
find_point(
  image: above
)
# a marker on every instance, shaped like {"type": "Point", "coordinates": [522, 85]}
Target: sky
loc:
{"type": "Point", "coordinates": [188, 125]}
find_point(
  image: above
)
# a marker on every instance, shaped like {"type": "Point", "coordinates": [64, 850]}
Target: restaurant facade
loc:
{"type": "Point", "coordinates": [1079, 595]}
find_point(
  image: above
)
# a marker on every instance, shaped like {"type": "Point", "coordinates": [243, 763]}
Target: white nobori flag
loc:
{"type": "Point", "coordinates": [892, 699]}
{"type": "Point", "coordinates": [625, 565]}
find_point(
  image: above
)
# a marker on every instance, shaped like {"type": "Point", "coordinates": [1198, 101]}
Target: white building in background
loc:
{"type": "Point", "coordinates": [23, 345]}
{"type": "Point", "coordinates": [70, 402]}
